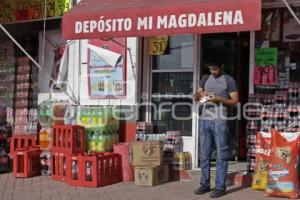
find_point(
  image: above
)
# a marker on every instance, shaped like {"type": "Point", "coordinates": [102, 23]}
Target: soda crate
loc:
{"type": "Point", "coordinates": [68, 139]}
{"type": "Point", "coordinates": [26, 162]}
{"type": "Point", "coordinates": [97, 170]}
{"type": "Point", "coordinates": [21, 142]}
{"type": "Point", "coordinates": [59, 166]}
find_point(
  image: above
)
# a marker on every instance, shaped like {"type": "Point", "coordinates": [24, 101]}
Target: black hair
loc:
{"type": "Point", "coordinates": [214, 63]}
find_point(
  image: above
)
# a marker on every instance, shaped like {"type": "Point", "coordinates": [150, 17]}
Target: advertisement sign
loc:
{"type": "Point", "coordinates": [107, 68]}
{"type": "Point", "coordinates": [266, 57]}
{"type": "Point", "coordinates": [89, 19]}
{"type": "Point", "coordinates": [265, 71]}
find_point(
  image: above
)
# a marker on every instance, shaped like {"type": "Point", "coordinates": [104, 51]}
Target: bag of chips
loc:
{"type": "Point", "coordinates": [263, 151]}
{"type": "Point", "coordinates": [283, 175]}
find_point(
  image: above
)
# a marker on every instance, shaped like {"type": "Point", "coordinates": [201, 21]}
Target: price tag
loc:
{"type": "Point", "coordinates": [61, 6]}
{"type": "Point", "coordinates": [157, 45]}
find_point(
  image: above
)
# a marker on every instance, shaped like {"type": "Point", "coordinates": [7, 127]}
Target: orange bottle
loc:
{"type": "Point", "coordinates": [45, 138]}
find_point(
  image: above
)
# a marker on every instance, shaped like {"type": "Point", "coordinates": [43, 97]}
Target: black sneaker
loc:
{"type": "Point", "coordinates": [202, 190]}
{"type": "Point", "coordinates": [216, 193]}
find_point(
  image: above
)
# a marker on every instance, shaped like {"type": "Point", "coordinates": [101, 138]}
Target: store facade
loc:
{"type": "Point", "coordinates": [166, 80]}
{"type": "Point", "coordinates": [159, 85]}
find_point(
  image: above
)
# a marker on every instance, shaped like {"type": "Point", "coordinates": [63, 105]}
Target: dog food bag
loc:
{"type": "Point", "coordinates": [283, 175]}
{"type": "Point", "coordinates": [263, 152]}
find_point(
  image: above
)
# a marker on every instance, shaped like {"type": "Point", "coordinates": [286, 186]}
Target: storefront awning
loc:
{"type": "Point", "coordinates": [126, 18]}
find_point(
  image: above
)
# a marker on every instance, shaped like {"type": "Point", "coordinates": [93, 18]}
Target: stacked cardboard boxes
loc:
{"type": "Point", "coordinates": [147, 160]}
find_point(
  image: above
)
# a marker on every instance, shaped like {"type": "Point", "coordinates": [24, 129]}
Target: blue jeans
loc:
{"type": "Point", "coordinates": [217, 130]}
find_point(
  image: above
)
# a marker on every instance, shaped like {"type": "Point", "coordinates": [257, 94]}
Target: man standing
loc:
{"type": "Point", "coordinates": [217, 91]}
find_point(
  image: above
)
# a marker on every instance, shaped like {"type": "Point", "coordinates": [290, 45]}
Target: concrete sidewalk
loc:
{"type": "Point", "coordinates": [45, 188]}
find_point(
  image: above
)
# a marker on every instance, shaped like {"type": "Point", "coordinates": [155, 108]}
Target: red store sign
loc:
{"type": "Point", "coordinates": [116, 18]}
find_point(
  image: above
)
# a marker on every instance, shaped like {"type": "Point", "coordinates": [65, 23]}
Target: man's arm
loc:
{"type": "Point", "coordinates": [232, 101]}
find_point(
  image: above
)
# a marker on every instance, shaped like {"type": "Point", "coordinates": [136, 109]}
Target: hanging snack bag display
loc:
{"type": "Point", "coordinates": [283, 175]}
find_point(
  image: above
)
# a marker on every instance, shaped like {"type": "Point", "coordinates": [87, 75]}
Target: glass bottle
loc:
{"type": "Point", "coordinates": [88, 171]}
{"type": "Point", "coordinates": [74, 170]}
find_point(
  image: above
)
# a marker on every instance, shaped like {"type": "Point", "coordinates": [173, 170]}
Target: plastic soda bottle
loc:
{"type": "Point", "coordinates": [64, 166]}
{"type": "Point", "coordinates": [111, 139]}
{"type": "Point", "coordinates": [101, 142]}
{"type": "Point", "coordinates": [45, 138]}
{"type": "Point", "coordinates": [100, 116]}
{"type": "Point", "coordinates": [95, 144]}
{"type": "Point", "coordinates": [82, 115]}
{"type": "Point", "coordinates": [88, 171]}
{"type": "Point", "coordinates": [90, 140]}
{"type": "Point", "coordinates": [74, 170]}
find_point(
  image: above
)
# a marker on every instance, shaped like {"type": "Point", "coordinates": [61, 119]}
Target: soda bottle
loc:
{"type": "Point", "coordinates": [74, 170]}
{"type": "Point", "coordinates": [101, 142]}
{"type": "Point", "coordinates": [78, 139]}
{"type": "Point", "coordinates": [95, 141]}
{"type": "Point", "coordinates": [88, 171]}
{"type": "Point", "coordinates": [181, 163]}
{"type": "Point", "coordinates": [107, 140]}
{"type": "Point", "coordinates": [64, 166]}
{"type": "Point", "coordinates": [175, 161]}
{"type": "Point", "coordinates": [89, 116]}
{"type": "Point", "coordinates": [45, 138]}
{"type": "Point", "coordinates": [100, 116]}
{"type": "Point", "coordinates": [93, 119]}
{"type": "Point", "coordinates": [90, 140]}
{"type": "Point", "coordinates": [81, 115]}
{"type": "Point", "coordinates": [95, 116]}
{"type": "Point", "coordinates": [45, 163]}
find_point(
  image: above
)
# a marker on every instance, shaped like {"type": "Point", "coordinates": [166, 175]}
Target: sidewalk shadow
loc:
{"type": "Point", "coordinates": [236, 189]}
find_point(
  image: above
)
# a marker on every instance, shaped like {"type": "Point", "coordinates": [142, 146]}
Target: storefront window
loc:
{"type": "Point", "coordinates": [172, 86]}
{"type": "Point", "coordinates": [179, 54]}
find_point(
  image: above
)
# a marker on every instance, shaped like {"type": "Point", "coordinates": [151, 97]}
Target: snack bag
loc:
{"type": "Point", "coordinates": [263, 151]}
{"type": "Point", "coordinates": [283, 175]}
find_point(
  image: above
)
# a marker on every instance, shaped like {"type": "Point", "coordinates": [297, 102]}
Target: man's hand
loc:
{"type": "Point", "coordinates": [199, 95]}
{"type": "Point", "coordinates": [215, 99]}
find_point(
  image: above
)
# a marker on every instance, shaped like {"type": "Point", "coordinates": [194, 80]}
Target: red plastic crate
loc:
{"type": "Point", "coordinates": [59, 166]}
{"type": "Point", "coordinates": [68, 139]}
{"type": "Point", "coordinates": [104, 169]}
{"type": "Point", "coordinates": [26, 162]}
{"type": "Point", "coordinates": [21, 142]}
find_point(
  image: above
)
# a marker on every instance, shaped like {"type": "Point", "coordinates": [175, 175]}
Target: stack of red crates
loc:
{"type": "Point", "coordinates": [70, 163]}
{"type": "Point", "coordinates": [67, 140]}
{"type": "Point", "coordinates": [26, 155]}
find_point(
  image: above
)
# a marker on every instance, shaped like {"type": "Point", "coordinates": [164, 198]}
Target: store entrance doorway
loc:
{"type": "Point", "coordinates": [233, 48]}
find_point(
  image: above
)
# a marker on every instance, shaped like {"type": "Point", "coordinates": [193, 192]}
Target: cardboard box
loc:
{"type": "Point", "coordinates": [148, 153]}
{"type": "Point", "coordinates": [150, 176]}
